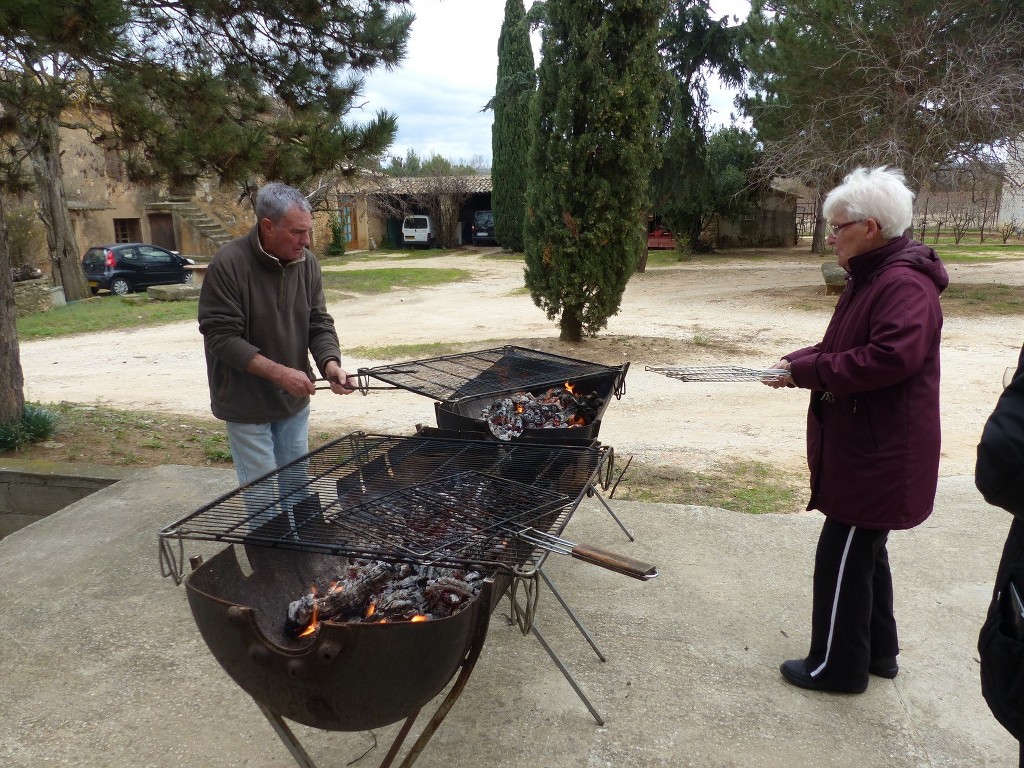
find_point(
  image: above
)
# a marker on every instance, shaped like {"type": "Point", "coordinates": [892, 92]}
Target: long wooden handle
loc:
{"type": "Point", "coordinates": [615, 562]}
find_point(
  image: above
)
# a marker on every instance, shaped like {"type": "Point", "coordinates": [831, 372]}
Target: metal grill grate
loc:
{"type": "Point", "coordinates": [422, 499]}
{"type": "Point", "coordinates": [452, 378]}
{"type": "Point", "coordinates": [713, 373]}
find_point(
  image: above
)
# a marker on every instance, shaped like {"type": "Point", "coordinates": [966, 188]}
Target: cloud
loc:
{"type": "Point", "coordinates": [447, 77]}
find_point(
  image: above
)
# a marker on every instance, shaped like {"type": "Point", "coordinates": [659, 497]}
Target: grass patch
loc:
{"type": "Point", "coordinates": [97, 434]}
{"type": "Point", "coordinates": [973, 299]}
{"type": "Point", "coordinates": [741, 486]}
{"type": "Point", "coordinates": [105, 313]}
{"type": "Point", "coordinates": [384, 280]}
{"type": "Point", "coordinates": [407, 351]}
{"type": "Point", "coordinates": [378, 255]}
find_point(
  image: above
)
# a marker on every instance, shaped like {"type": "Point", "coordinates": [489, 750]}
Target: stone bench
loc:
{"type": "Point", "coordinates": [178, 292]}
{"type": "Point", "coordinates": [835, 278]}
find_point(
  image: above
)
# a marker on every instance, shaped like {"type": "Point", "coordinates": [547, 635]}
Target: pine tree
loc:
{"type": "Point", "coordinates": [693, 46]}
{"type": "Point", "coordinates": [243, 89]}
{"type": "Point", "coordinates": [590, 159]}
{"type": "Point", "coordinates": [510, 135]}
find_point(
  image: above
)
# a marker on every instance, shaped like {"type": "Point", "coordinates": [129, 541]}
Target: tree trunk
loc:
{"type": "Point", "coordinates": [819, 237]}
{"type": "Point", "coordinates": [12, 398]}
{"type": "Point", "coordinates": [65, 268]}
{"type": "Point", "coordinates": [571, 326]}
{"type": "Point", "coordinates": [641, 265]}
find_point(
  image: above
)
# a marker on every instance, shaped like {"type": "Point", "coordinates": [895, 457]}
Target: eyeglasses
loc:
{"type": "Point", "coordinates": [837, 227]}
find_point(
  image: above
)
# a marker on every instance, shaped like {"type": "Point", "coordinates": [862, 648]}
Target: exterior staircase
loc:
{"type": "Point", "coordinates": [186, 212]}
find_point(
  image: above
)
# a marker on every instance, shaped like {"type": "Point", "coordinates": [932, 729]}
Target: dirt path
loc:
{"type": "Point", "coordinates": [747, 312]}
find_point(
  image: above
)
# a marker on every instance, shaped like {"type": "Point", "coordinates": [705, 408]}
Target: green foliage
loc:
{"type": "Point", "coordinates": [510, 134]}
{"type": "Point", "coordinates": [337, 245]}
{"type": "Point", "coordinates": [414, 167]}
{"type": "Point", "coordinates": [35, 425]}
{"type": "Point", "coordinates": [590, 160]}
{"type": "Point", "coordinates": [693, 45]}
{"type": "Point", "coordinates": [25, 235]}
{"type": "Point", "coordinates": [835, 85]}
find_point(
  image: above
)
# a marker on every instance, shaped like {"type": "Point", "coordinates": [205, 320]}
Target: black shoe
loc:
{"type": "Point", "coordinates": [795, 671]}
{"type": "Point", "coordinates": [885, 667]}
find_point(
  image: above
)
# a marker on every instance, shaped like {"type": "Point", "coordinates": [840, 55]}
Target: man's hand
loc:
{"type": "Point", "coordinates": [341, 383]}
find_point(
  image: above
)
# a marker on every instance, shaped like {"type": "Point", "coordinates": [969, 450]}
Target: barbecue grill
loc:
{"type": "Point", "coordinates": [465, 384]}
{"type": "Point", "coordinates": [430, 499]}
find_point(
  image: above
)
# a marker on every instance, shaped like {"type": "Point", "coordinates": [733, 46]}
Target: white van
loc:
{"type": "Point", "coordinates": [419, 230]}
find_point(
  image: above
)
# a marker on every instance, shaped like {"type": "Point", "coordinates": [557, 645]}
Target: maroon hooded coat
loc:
{"type": "Point", "coordinates": [873, 424]}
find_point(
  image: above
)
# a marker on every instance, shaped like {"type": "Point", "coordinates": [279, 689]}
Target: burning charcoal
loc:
{"type": "Point", "coordinates": [558, 407]}
{"type": "Point", "coordinates": [446, 595]}
{"type": "Point", "coordinates": [348, 595]}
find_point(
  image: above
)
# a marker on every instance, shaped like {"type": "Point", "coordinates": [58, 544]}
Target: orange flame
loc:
{"type": "Point", "coordinates": [313, 623]}
{"type": "Point", "coordinates": [569, 388]}
{"type": "Point", "coordinates": [372, 609]}
{"type": "Point", "coordinates": [419, 617]}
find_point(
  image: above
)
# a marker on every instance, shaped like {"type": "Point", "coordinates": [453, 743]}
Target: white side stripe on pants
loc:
{"type": "Point", "coordinates": [835, 604]}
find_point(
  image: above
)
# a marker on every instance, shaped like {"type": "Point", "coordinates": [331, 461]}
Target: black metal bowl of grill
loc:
{"type": "Point", "coordinates": [469, 414]}
{"type": "Point", "coordinates": [466, 385]}
{"type": "Point", "coordinates": [345, 677]}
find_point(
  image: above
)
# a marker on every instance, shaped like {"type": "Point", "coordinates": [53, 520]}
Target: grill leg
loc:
{"type": "Point", "coordinates": [611, 512]}
{"type": "Point", "coordinates": [286, 735]}
{"type": "Point", "coordinates": [566, 674]}
{"type": "Point", "coordinates": [568, 610]}
{"type": "Point", "coordinates": [449, 701]}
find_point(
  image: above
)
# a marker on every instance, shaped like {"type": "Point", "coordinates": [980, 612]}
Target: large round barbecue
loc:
{"type": "Point", "coordinates": [394, 514]}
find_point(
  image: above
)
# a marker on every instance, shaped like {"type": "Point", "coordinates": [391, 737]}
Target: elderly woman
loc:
{"type": "Point", "coordinates": [872, 426]}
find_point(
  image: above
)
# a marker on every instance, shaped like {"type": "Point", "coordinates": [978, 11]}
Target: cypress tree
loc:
{"type": "Point", "coordinates": [510, 135]}
{"type": "Point", "coordinates": [590, 160]}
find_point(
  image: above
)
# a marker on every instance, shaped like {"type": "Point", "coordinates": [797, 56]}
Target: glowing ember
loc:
{"type": "Point", "coordinates": [558, 407]}
{"type": "Point", "coordinates": [379, 592]}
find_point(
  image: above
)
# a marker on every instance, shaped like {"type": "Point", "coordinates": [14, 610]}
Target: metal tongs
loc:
{"type": "Point", "coordinates": [363, 383]}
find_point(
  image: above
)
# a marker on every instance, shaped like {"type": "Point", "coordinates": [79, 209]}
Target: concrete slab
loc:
{"type": "Point", "coordinates": [101, 664]}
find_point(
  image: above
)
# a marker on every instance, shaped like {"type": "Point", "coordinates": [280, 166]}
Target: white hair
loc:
{"type": "Point", "coordinates": [275, 199]}
{"type": "Point", "coordinates": [873, 193]}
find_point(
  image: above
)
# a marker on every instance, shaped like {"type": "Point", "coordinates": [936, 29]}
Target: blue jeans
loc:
{"type": "Point", "coordinates": [258, 449]}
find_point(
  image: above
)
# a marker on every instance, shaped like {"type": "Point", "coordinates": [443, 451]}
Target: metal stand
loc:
{"type": "Point", "coordinates": [525, 616]}
{"type": "Point", "coordinates": [593, 491]}
{"type": "Point", "coordinates": [303, 759]}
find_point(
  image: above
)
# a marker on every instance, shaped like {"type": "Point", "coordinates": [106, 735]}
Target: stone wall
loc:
{"type": "Point", "coordinates": [32, 296]}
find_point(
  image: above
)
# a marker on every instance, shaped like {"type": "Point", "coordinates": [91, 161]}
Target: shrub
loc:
{"type": "Point", "coordinates": [35, 425]}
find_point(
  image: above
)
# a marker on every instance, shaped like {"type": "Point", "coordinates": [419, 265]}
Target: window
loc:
{"type": "Point", "coordinates": [127, 230]}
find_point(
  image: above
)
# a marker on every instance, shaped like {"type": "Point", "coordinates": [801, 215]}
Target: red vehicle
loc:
{"type": "Point", "coordinates": [660, 238]}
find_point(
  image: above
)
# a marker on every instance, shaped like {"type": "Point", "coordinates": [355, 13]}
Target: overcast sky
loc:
{"type": "Point", "coordinates": [439, 90]}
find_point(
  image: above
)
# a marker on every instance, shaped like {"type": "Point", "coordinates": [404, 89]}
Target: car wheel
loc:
{"type": "Point", "coordinates": [190, 277]}
{"type": "Point", "coordinates": [120, 286]}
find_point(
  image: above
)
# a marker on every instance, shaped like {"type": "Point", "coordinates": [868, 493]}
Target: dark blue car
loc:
{"type": "Point", "coordinates": [125, 267]}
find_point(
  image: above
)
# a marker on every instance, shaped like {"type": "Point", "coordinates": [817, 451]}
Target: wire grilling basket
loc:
{"type": "Point", "coordinates": [717, 373]}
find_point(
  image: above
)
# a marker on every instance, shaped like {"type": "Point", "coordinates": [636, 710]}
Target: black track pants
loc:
{"type": "Point", "coordinates": [852, 620]}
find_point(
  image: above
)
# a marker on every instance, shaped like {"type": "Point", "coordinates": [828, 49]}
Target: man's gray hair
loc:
{"type": "Point", "coordinates": [873, 193]}
{"type": "Point", "coordinates": [275, 199]}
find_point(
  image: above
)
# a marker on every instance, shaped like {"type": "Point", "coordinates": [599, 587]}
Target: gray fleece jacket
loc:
{"type": "Point", "coordinates": [251, 302]}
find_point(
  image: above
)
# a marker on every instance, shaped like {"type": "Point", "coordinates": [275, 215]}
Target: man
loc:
{"type": "Point", "coordinates": [872, 427]}
{"type": "Point", "coordinates": [262, 313]}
